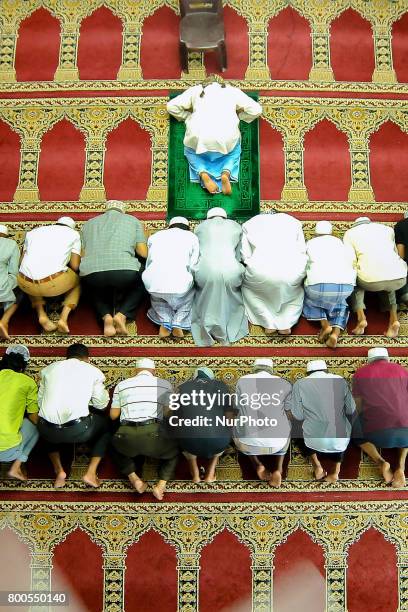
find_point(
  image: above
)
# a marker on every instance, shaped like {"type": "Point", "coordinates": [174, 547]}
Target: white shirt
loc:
{"type": "Point", "coordinates": [212, 121]}
{"type": "Point", "coordinates": [376, 252]}
{"type": "Point", "coordinates": [322, 401]}
{"type": "Point", "coordinates": [173, 255]}
{"type": "Point", "coordinates": [67, 388]}
{"type": "Point", "coordinates": [142, 397]}
{"type": "Point", "coordinates": [330, 261]}
{"type": "Point", "coordinates": [47, 250]}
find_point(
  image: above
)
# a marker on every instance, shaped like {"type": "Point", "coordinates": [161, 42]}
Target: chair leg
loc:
{"type": "Point", "coordinates": [222, 55]}
{"type": "Point", "coordinates": [183, 57]}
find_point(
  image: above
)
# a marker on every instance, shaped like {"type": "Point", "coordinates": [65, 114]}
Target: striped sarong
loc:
{"type": "Point", "coordinates": [171, 309]}
{"type": "Point", "coordinates": [327, 301]}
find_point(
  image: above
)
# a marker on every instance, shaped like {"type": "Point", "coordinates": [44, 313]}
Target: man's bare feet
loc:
{"type": "Point", "coordinates": [360, 328]}
{"type": "Point", "coordinates": [284, 332]}
{"type": "Point", "coordinates": [319, 473]}
{"type": "Point", "coordinates": [393, 330]}
{"type": "Point", "coordinates": [158, 491]}
{"type": "Point", "coordinates": [209, 184]}
{"type": "Point", "coordinates": [325, 333]}
{"type": "Point", "coordinates": [62, 327]}
{"type": "Point", "coordinates": [399, 480]}
{"type": "Point", "coordinates": [109, 330]}
{"type": "Point", "coordinates": [275, 480]}
{"type": "Point", "coordinates": [225, 182]}
{"type": "Point", "coordinates": [210, 478]}
{"type": "Point", "coordinates": [47, 324]}
{"type": "Point", "coordinates": [91, 480]}
{"type": "Point", "coordinates": [178, 332]}
{"type": "Point", "coordinates": [196, 479]}
{"type": "Point", "coordinates": [164, 332]}
{"type": "Point", "coordinates": [16, 473]}
{"type": "Point", "coordinates": [4, 331]}
{"type": "Point", "coordinates": [269, 331]}
{"type": "Point", "coordinates": [331, 478]}
{"type": "Point", "coordinates": [137, 483]}
{"type": "Point", "coordinates": [263, 473]}
{"type": "Point", "coordinates": [331, 341]}
{"type": "Point", "coordinates": [386, 472]}
{"type": "Point", "coordinates": [60, 480]}
{"type": "Point", "coordinates": [119, 322]}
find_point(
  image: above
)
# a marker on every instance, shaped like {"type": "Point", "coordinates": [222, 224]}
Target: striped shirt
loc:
{"type": "Point", "coordinates": [141, 397]}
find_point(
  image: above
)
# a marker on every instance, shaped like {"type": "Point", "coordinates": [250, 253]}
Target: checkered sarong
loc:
{"type": "Point", "coordinates": [327, 301]}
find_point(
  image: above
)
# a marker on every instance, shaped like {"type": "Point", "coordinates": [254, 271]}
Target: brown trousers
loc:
{"type": "Point", "coordinates": [65, 284]}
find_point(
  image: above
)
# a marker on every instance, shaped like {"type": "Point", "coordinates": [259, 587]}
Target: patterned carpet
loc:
{"type": "Point", "coordinates": [83, 86]}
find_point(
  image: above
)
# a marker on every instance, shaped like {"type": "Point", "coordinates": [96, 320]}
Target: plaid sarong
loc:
{"type": "Point", "coordinates": [327, 301]}
{"type": "Point", "coordinates": [171, 309]}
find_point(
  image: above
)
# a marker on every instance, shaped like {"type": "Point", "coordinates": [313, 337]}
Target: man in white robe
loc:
{"type": "Point", "coordinates": [274, 253]}
{"type": "Point", "coordinates": [212, 142]}
{"type": "Point", "coordinates": [173, 256]}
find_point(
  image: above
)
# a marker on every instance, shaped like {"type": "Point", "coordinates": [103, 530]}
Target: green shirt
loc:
{"type": "Point", "coordinates": [109, 242]}
{"type": "Point", "coordinates": [18, 394]}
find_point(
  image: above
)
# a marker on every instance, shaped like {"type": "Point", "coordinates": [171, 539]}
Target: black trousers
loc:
{"type": "Point", "coordinates": [94, 429]}
{"type": "Point", "coordinates": [115, 291]}
{"type": "Point", "coordinates": [305, 450]}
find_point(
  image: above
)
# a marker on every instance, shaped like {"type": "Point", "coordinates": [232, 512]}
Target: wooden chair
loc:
{"type": "Point", "coordinates": [202, 29]}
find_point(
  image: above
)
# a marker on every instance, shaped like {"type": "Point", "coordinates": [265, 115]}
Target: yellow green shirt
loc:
{"type": "Point", "coordinates": [18, 394]}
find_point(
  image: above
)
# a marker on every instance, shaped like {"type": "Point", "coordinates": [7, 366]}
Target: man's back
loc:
{"type": "Point", "coordinates": [141, 397]}
{"type": "Point", "coordinates": [48, 249]}
{"type": "Point", "coordinates": [18, 393]}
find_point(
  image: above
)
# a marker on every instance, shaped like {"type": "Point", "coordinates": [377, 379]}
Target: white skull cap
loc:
{"type": "Point", "coordinates": [217, 211]}
{"type": "Point", "coordinates": [20, 349]}
{"type": "Point", "coordinates": [315, 365]}
{"type": "Point", "coordinates": [4, 229]}
{"type": "Point", "coordinates": [116, 205]}
{"type": "Point", "coordinates": [67, 221]}
{"type": "Point", "coordinates": [378, 352]}
{"type": "Point", "coordinates": [182, 220]}
{"type": "Point", "coordinates": [144, 363]}
{"type": "Point", "coordinates": [264, 361]}
{"type": "Point", "coordinates": [323, 227]}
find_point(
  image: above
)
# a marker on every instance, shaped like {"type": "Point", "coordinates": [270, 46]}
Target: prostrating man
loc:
{"type": "Point", "coordinates": [379, 269]}
{"type": "Point", "coordinates": [209, 438]}
{"type": "Point", "coordinates": [140, 403]}
{"type": "Point", "coordinates": [18, 410]}
{"type": "Point", "coordinates": [263, 426]}
{"type": "Point", "coordinates": [110, 268]}
{"type": "Point", "coordinates": [401, 239]}
{"type": "Point", "coordinates": [168, 277]}
{"type": "Point", "coordinates": [212, 142]}
{"type": "Point", "coordinates": [323, 401]}
{"type": "Point", "coordinates": [71, 397]}
{"type": "Point", "coordinates": [274, 253]}
{"type": "Point", "coordinates": [10, 294]}
{"type": "Point", "coordinates": [49, 266]}
{"type": "Point", "coordinates": [218, 310]}
{"type": "Point", "coordinates": [330, 280]}
{"type": "Point", "coordinates": [380, 389]}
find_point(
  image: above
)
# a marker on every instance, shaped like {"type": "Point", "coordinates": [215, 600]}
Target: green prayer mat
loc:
{"type": "Point", "coordinates": [190, 200]}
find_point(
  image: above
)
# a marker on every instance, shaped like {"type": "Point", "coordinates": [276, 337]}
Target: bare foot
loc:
{"type": "Point", "coordinates": [269, 331]}
{"type": "Point", "coordinates": [331, 478]}
{"type": "Point", "coordinates": [324, 334]}
{"type": "Point", "coordinates": [92, 480]}
{"type": "Point", "coordinates": [158, 491]}
{"type": "Point", "coordinates": [284, 332]}
{"type": "Point", "coordinates": [47, 324]}
{"type": "Point", "coordinates": [331, 341]}
{"type": "Point", "coordinates": [177, 332]}
{"type": "Point", "coordinates": [4, 331]}
{"type": "Point", "coordinates": [119, 322]}
{"type": "Point", "coordinates": [226, 185]}
{"type": "Point", "coordinates": [319, 473]}
{"type": "Point", "coordinates": [209, 183]}
{"type": "Point", "coordinates": [109, 330]}
{"type": "Point", "coordinates": [164, 332]}
{"type": "Point", "coordinates": [386, 472]}
{"type": "Point", "coordinates": [17, 473]}
{"type": "Point", "coordinates": [210, 478]}
{"type": "Point", "coordinates": [275, 479]}
{"type": "Point", "coordinates": [62, 327]}
{"type": "Point", "coordinates": [196, 479]}
{"type": "Point", "coordinates": [60, 480]}
{"type": "Point", "coordinates": [360, 328]}
{"type": "Point", "coordinates": [399, 480]}
{"type": "Point", "coordinates": [393, 330]}
{"type": "Point", "coordinates": [138, 484]}
{"type": "Point", "coordinates": [263, 473]}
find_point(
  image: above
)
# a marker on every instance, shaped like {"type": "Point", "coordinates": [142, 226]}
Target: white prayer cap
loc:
{"type": "Point", "coordinates": [182, 220]}
{"type": "Point", "coordinates": [406, 214]}
{"type": "Point", "coordinates": [116, 205]}
{"type": "Point", "coordinates": [362, 220]}
{"type": "Point", "coordinates": [315, 365]}
{"type": "Point", "coordinates": [3, 229]}
{"type": "Point", "coordinates": [379, 352]}
{"type": "Point", "coordinates": [263, 361]}
{"type": "Point", "coordinates": [217, 211]}
{"type": "Point", "coordinates": [67, 221]}
{"type": "Point", "coordinates": [323, 227]}
{"type": "Point", "coordinates": [144, 363]}
{"type": "Point", "coordinates": [204, 370]}
{"type": "Point", "coordinates": [20, 349]}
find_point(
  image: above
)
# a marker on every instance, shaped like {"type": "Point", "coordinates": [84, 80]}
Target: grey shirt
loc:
{"type": "Point", "coordinates": [109, 242]}
{"type": "Point", "coordinates": [9, 261]}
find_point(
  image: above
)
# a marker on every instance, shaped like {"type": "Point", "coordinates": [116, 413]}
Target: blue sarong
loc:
{"type": "Point", "coordinates": [214, 164]}
{"type": "Point", "coordinates": [327, 301]}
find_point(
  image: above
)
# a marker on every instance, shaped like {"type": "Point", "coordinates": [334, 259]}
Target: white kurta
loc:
{"type": "Point", "coordinates": [212, 121]}
{"type": "Point", "coordinates": [274, 252]}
